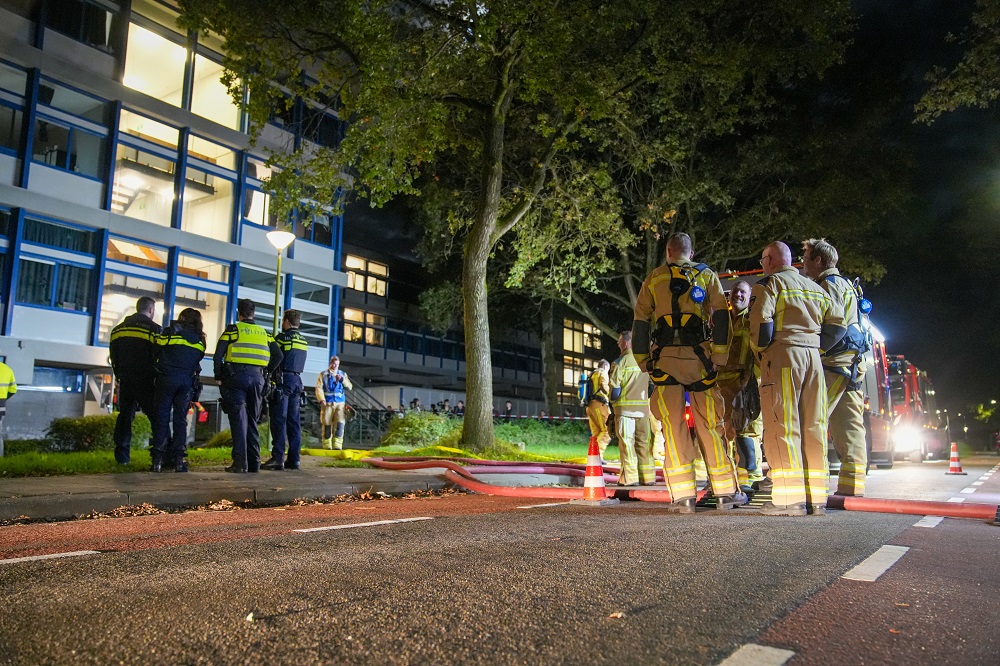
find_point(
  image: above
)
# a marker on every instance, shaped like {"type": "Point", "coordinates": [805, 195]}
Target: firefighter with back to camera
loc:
{"type": "Point", "coordinates": [133, 354]}
{"type": "Point", "coordinates": [680, 332]}
{"type": "Point", "coordinates": [285, 401]}
{"type": "Point", "coordinates": [791, 319]}
{"type": "Point", "coordinates": [245, 355]}
{"type": "Point", "coordinates": [843, 367]}
{"type": "Point", "coordinates": [630, 400]}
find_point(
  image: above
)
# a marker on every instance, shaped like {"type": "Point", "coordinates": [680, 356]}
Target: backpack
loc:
{"type": "Point", "coordinates": [679, 328]}
{"type": "Point", "coordinates": [858, 338]}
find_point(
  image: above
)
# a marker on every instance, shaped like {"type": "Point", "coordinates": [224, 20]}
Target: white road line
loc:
{"type": "Point", "coordinates": [752, 654]}
{"type": "Point", "coordinates": [977, 483]}
{"type": "Point", "coordinates": [53, 556]}
{"type": "Point", "coordinates": [967, 490]}
{"type": "Point", "coordinates": [956, 499]}
{"type": "Point", "coordinates": [876, 564]}
{"type": "Point", "coordinates": [377, 522]}
{"type": "Point", "coordinates": [928, 521]}
{"type": "Point", "coordinates": [538, 506]}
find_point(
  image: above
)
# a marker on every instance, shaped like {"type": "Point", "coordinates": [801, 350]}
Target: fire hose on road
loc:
{"type": "Point", "coordinates": [464, 476]}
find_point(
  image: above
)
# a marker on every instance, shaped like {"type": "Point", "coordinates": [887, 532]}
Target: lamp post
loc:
{"type": "Point", "coordinates": [280, 240]}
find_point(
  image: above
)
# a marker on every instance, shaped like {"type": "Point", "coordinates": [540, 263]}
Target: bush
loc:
{"type": "Point", "coordinates": [13, 447]}
{"type": "Point", "coordinates": [93, 433]}
{"type": "Point", "coordinates": [418, 429]}
{"type": "Point", "coordinates": [223, 438]}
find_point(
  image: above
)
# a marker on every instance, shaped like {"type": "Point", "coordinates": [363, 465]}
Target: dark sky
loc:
{"type": "Point", "coordinates": [939, 304]}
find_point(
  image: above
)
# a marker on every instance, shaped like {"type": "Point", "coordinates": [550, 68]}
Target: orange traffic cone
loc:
{"type": "Point", "coordinates": [956, 465]}
{"type": "Point", "coordinates": [594, 491]}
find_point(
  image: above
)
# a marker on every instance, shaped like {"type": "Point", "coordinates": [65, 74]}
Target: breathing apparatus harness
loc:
{"type": "Point", "coordinates": [858, 338]}
{"type": "Point", "coordinates": [683, 329]}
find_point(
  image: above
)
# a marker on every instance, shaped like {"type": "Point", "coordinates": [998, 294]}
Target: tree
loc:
{"type": "Point", "coordinates": [504, 102]}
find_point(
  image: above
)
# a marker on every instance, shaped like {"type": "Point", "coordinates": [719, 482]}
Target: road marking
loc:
{"type": "Point", "coordinates": [377, 522]}
{"type": "Point", "coordinates": [928, 521]}
{"type": "Point", "coordinates": [876, 564]}
{"type": "Point", "coordinates": [967, 490]}
{"type": "Point", "coordinates": [977, 483]}
{"type": "Point", "coordinates": [956, 499]}
{"type": "Point", "coordinates": [53, 556]}
{"type": "Point", "coordinates": [752, 654]}
{"type": "Point", "coordinates": [538, 506]}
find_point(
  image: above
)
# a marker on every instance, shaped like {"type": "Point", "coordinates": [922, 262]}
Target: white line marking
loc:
{"type": "Point", "coordinates": [956, 499]}
{"type": "Point", "coordinates": [752, 654]}
{"type": "Point", "coordinates": [876, 564]}
{"type": "Point", "coordinates": [377, 522]}
{"type": "Point", "coordinates": [967, 490]}
{"type": "Point", "coordinates": [928, 521]}
{"type": "Point", "coordinates": [538, 506]}
{"type": "Point", "coordinates": [984, 477]}
{"type": "Point", "coordinates": [53, 556]}
{"type": "Point", "coordinates": [977, 483]}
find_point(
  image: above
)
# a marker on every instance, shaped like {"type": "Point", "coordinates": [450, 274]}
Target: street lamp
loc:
{"type": "Point", "coordinates": [280, 240]}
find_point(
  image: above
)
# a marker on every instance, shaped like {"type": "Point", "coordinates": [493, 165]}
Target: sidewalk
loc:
{"type": "Point", "coordinates": [56, 497]}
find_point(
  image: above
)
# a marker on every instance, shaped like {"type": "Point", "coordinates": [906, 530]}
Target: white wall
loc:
{"type": "Point", "coordinates": [51, 325]}
{"type": "Point", "coordinates": [66, 186]}
{"type": "Point", "coordinates": [9, 167]}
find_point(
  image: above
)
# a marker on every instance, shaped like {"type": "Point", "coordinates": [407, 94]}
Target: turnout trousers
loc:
{"type": "Point", "coordinates": [285, 423]}
{"type": "Point", "coordinates": [597, 415]}
{"type": "Point", "coordinates": [845, 409]}
{"type": "Point", "coordinates": [333, 415]}
{"type": "Point", "coordinates": [793, 404]}
{"type": "Point", "coordinates": [635, 444]}
{"type": "Point", "coordinates": [242, 392]}
{"type": "Point", "coordinates": [667, 405]}
{"type": "Point", "coordinates": [173, 394]}
{"type": "Point", "coordinates": [133, 393]}
{"type": "Point", "coordinates": [744, 445]}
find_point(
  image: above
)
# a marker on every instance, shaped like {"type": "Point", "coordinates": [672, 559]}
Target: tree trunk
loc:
{"type": "Point", "coordinates": [551, 368]}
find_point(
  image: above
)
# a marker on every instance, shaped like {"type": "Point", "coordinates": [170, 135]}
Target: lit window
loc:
{"type": "Point", "coordinates": [209, 96]}
{"type": "Point", "coordinates": [121, 292]}
{"type": "Point", "coordinates": [143, 186]}
{"type": "Point", "coordinates": [208, 204]}
{"type": "Point", "coordinates": [154, 65]}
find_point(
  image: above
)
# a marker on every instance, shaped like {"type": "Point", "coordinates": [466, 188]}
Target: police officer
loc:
{"type": "Point", "coordinates": [843, 367]}
{"type": "Point", "coordinates": [737, 376]}
{"type": "Point", "coordinates": [246, 352]}
{"type": "Point", "coordinates": [599, 405]}
{"type": "Point", "coordinates": [284, 407]}
{"type": "Point", "coordinates": [178, 365]}
{"type": "Point", "coordinates": [677, 306]}
{"type": "Point", "coordinates": [8, 387]}
{"type": "Point", "coordinates": [331, 387]}
{"type": "Point", "coordinates": [630, 399]}
{"type": "Point", "coordinates": [133, 353]}
{"type": "Point", "coordinates": [791, 319]}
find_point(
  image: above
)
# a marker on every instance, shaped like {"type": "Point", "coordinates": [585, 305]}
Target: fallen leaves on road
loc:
{"type": "Point", "coordinates": [144, 509]}
{"type": "Point", "coordinates": [899, 605]}
{"type": "Point", "coordinates": [221, 505]}
{"type": "Point", "coordinates": [250, 617]}
{"type": "Point", "coordinates": [895, 631]}
{"type": "Point", "coordinates": [617, 615]}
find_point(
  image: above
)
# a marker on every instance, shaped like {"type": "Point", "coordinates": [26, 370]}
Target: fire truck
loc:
{"type": "Point", "coordinates": [878, 415]}
{"type": "Point", "coordinates": [916, 430]}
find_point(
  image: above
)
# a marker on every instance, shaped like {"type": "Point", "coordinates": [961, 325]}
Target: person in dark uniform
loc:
{"type": "Point", "coordinates": [284, 407]}
{"type": "Point", "coordinates": [246, 353]}
{"type": "Point", "coordinates": [178, 365]}
{"type": "Point", "coordinates": [133, 352]}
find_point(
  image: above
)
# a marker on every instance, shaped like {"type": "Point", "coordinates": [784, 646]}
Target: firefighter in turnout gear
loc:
{"type": "Point", "coordinates": [331, 387]}
{"type": "Point", "coordinates": [791, 319]}
{"type": "Point", "coordinates": [844, 368]}
{"type": "Point", "coordinates": [285, 402]}
{"type": "Point", "coordinates": [681, 330]}
{"type": "Point", "coordinates": [245, 355]}
{"type": "Point", "coordinates": [630, 399]}
{"type": "Point", "coordinates": [597, 397]}
{"type": "Point", "coordinates": [738, 380]}
{"type": "Point", "coordinates": [178, 364]}
{"type": "Point", "coordinates": [133, 353]}
{"type": "Point", "coordinates": [8, 387]}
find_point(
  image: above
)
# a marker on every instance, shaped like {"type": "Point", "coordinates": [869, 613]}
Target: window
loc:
{"type": "Point", "coordinates": [209, 96]}
{"type": "Point", "coordinates": [578, 335]}
{"type": "Point", "coordinates": [573, 368]}
{"type": "Point", "coordinates": [257, 202]}
{"type": "Point", "coordinates": [143, 185]}
{"type": "Point", "coordinates": [205, 269]}
{"type": "Point", "coordinates": [59, 235]}
{"type": "Point", "coordinates": [126, 251]}
{"type": "Point", "coordinates": [87, 22]}
{"type": "Point", "coordinates": [207, 209]}
{"type": "Point", "coordinates": [154, 65]}
{"type": "Point", "coordinates": [147, 129]}
{"type": "Point", "coordinates": [54, 284]}
{"type": "Point", "coordinates": [312, 299]}
{"type": "Point", "coordinates": [121, 291]}
{"type": "Point", "coordinates": [364, 327]}
{"type": "Point", "coordinates": [256, 279]}
{"type": "Point", "coordinates": [203, 284]}
{"type": "Point", "coordinates": [70, 130]}
{"type": "Point", "coordinates": [12, 82]}
{"type": "Point", "coordinates": [374, 282]}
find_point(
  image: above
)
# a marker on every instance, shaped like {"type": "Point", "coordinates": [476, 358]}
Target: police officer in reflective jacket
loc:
{"type": "Point", "coordinates": [178, 365]}
{"type": "Point", "coordinates": [246, 353]}
{"type": "Point", "coordinates": [133, 352]}
{"type": "Point", "coordinates": [284, 407]}
{"type": "Point", "coordinates": [680, 332]}
{"type": "Point", "coordinates": [791, 319]}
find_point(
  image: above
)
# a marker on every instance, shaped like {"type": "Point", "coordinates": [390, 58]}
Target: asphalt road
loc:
{"type": "Point", "coordinates": [483, 581]}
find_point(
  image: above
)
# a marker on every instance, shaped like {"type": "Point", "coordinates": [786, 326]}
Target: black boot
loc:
{"type": "Point", "coordinates": [181, 465]}
{"type": "Point", "coordinates": [157, 466]}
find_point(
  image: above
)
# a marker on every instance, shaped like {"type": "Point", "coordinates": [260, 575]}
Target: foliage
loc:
{"type": "Point", "coordinates": [972, 82]}
{"type": "Point", "coordinates": [37, 463]}
{"type": "Point", "coordinates": [441, 305]}
{"type": "Point", "coordinates": [92, 433]}
{"type": "Point", "coordinates": [418, 429]}
{"type": "Point", "coordinates": [15, 446]}
{"type": "Point", "coordinates": [220, 439]}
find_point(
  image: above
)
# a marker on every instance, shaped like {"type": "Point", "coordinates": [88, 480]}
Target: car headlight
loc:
{"type": "Point", "coordinates": [907, 438]}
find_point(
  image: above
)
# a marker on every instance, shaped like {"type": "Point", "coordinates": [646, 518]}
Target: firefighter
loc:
{"type": "Point", "coordinates": [630, 399]}
{"type": "Point", "coordinates": [738, 377]}
{"type": "Point", "coordinates": [180, 349]}
{"type": "Point", "coordinates": [791, 319]}
{"type": "Point", "coordinates": [597, 396]}
{"type": "Point", "coordinates": [331, 387]}
{"type": "Point", "coordinates": [285, 400]}
{"type": "Point", "coordinates": [8, 387]}
{"type": "Point", "coordinates": [133, 354]}
{"type": "Point", "coordinates": [244, 356]}
{"type": "Point", "coordinates": [677, 306]}
{"type": "Point", "coordinates": [843, 367]}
